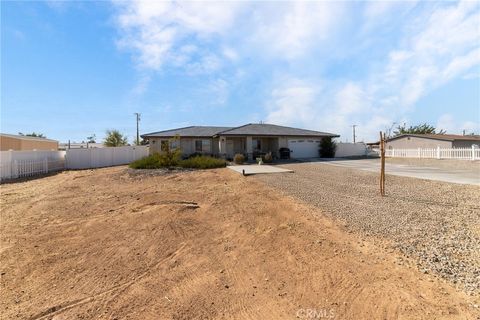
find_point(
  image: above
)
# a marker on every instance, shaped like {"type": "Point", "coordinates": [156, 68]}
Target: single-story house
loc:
{"type": "Point", "coordinates": [250, 139]}
{"type": "Point", "coordinates": [431, 141]}
{"type": "Point", "coordinates": [18, 143]}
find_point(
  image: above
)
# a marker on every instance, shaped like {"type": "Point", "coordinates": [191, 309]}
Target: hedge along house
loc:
{"type": "Point", "coordinates": [251, 140]}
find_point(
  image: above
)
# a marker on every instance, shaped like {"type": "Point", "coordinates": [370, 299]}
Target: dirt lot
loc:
{"type": "Point", "coordinates": [194, 245]}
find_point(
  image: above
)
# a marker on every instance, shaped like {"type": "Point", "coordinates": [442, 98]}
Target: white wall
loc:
{"type": "Point", "coordinates": [345, 149]}
{"type": "Point", "coordinates": [103, 157]}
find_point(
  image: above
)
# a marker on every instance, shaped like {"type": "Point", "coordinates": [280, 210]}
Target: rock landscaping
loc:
{"type": "Point", "coordinates": [436, 223]}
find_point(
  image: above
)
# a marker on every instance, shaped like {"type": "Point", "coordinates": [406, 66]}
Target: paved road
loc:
{"type": "Point", "coordinates": [462, 176]}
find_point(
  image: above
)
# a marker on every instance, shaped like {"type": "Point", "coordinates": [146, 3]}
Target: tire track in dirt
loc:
{"type": "Point", "coordinates": [55, 310]}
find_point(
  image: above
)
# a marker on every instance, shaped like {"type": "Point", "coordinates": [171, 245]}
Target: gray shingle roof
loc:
{"type": "Point", "coordinates": [264, 129]}
{"type": "Point", "coordinates": [192, 131]}
{"type": "Point", "coordinates": [251, 129]}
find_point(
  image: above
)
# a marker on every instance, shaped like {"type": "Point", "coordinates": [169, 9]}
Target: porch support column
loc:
{"type": "Point", "coordinates": [222, 146]}
{"type": "Point", "coordinates": [249, 148]}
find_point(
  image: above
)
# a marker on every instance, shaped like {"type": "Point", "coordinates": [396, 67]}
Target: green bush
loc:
{"type": "Point", "coordinates": [150, 162]}
{"type": "Point", "coordinates": [327, 148]}
{"type": "Point", "coordinates": [157, 160]}
{"type": "Point", "coordinates": [168, 160]}
{"type": "Point", "coordinates": [203, 162]}
{"type": "Point", "coordinates": [239, 158]}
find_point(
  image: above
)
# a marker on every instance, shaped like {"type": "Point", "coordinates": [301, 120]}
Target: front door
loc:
{"type": "Point", "coordinates": [230, 148]}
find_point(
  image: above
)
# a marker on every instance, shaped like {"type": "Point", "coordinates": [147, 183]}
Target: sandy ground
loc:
{"type": "Point", "coordinates": [106, 244]}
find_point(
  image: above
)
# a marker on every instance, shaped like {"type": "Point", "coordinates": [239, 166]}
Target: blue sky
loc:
{"type": "Point", "coordinates": [70, 69]}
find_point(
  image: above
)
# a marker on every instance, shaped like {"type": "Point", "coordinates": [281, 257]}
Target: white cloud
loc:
{"type": "Point", "coordinates": [428, 45]}
{"type": "Point", "coordinates": [156, 30]}
{"type": "Point", "coordinates": [230, 54]}
{"type": "Point", "coordinates": [292, 103]}
{"type": "Point", "coordinates": [219, 90]}
{"type": "Point", "coordinates": [439, 45]}
{"type": "Point", "coordinates": [351, 99]}
{"type": "Point", "coordinates": [451, 125]}
{"type": "Point", "coordinates": [293, 28]}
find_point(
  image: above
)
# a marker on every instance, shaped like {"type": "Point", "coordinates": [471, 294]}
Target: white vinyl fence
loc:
{"type": "Point", "coordinates": [18, 164]}
{"type": "Point", "coordinates": [472, 153]}
{"type": "Point", "coordinates": [346, 149]}
{"type": "Point", "coordinates": [104, 157]}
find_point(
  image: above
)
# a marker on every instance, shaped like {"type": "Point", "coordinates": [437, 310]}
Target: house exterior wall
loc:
{"type": "Point", "coordinates": [11, 143]}
{"type": "Point", "coordinates": [282, 142]}
{"type": "Point", "coordinates": [215, 145]}
{"type": "Point", "coordinates": [417, 142]}
{"type": "Point", "coordinates": [187, 145]}
{"type": "Point", "coordinates": [465, 143]}
{"type": "Point", "coordinates": [231, 144]}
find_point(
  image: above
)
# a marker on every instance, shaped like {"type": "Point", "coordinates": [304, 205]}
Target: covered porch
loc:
{"type": "Point", "coordinates": [250, 146]}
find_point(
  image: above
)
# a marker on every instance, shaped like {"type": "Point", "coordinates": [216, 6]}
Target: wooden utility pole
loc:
{"type": "Point", "coordinates": [382, 164]}
{"type": "Point", "coordinates": [138, 136]}
{"type": "Point", "coordinates": [354, 136]}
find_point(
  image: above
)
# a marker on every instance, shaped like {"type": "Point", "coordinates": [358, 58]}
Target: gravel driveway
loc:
{"type": "Point", "coordinates": [436, 223]}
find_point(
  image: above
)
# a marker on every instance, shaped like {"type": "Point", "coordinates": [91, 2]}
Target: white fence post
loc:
{"type": "Point", "coordinates": [438, 152]}
{"type": "Point", "coordinates": [45, 165]}
{"type": "Point", "coordinates": [393, 152]}
{"type": "Point", "coordinates": [15, 169]}
{"type": "Point", "coordinates": [473, 153]}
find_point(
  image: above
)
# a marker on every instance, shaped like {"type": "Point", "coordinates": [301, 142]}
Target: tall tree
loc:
{"type": "Point", "coordinates": [33, 134]}
{"type": "Point", "coordinates": [418, 129]}
{"type": "Point", "coordinates": [115, 139]}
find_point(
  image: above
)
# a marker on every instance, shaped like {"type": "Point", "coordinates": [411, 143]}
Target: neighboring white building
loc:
{"type": "Point", "coordinates": [79, 145]}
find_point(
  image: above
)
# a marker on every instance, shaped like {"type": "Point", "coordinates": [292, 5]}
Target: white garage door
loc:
{"type": "Point", "coordinates": [303, 148]}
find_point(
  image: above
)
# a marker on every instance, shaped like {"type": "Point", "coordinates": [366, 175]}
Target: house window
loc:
{"type": "Point", "coordinates": [257, 144]}
{"type": "Point", "coordinates": [164, 145]}
{"type": "Point", "coordinates": [198, 145]}
{"type": "Point", "coordinates": [206, 146]}
{"type": "Point", "coordinates": [174, 144]}
{"type": "Point", "coordinates": [203, 146]}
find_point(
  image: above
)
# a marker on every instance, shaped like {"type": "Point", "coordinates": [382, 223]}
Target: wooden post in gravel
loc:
{"type": "Point", "coordinates": [382, 164]}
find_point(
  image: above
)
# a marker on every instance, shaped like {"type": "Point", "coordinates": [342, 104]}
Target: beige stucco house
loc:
{"type": "Point", "coordinates": [431, 141]}
{"type": "Point", "coordinates": [18, 142]}
{"type": "Point", "coordinates": [250, 140]}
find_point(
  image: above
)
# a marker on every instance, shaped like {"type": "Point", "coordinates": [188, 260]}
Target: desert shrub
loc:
{"type": "Point", "coordinates": [268, 158]}
{"type": "Point", "coordinates": [193, 155]}
{"type": "Point", "coordinates": [150, 162]}
{"type": "Point", "coordinates": [239, 158]}
{"type": "Point", "coordinates": [165, 159]}
{"type": "Point", "coordinates": [203, 162]}
{"type": "Point", "coordinates": [327, 148]}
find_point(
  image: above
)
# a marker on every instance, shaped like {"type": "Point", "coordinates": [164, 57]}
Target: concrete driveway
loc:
{"type": "Point", "coordinates": [431, 172]}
